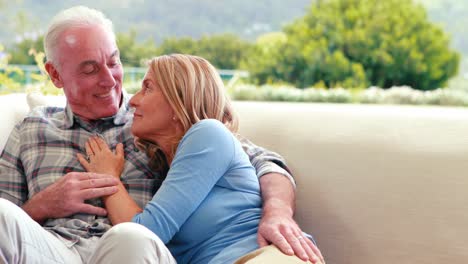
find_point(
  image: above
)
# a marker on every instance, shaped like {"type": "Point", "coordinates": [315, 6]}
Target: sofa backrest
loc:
{"type": "Point", "coordinates": [376, 184]}
{"type": "Point", "coordinates": [13, 108]}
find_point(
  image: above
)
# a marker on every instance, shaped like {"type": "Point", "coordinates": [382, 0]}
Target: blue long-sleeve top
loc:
{"type": "Point", "coordinates": [208, 208]}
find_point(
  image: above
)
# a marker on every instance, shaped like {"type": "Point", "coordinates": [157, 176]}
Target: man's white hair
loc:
{"type": "Point", "coordinates": [77, 16]}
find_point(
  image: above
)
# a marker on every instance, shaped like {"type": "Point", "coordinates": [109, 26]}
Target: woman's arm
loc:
{"type": "Point", "coordinates": [120, 206]}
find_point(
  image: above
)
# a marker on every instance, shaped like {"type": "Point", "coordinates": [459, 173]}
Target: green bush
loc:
{"type": "Point", "coordinates": [372, 95]}
{"type": "Point", "coordinates": [288, 93]}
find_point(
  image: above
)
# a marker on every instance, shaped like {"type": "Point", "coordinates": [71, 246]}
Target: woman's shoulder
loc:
{"type": "Point", "coordinates": [208, 130]}
{"type": "Point", "coordinates": [209, 127]}
{"type": "Point", "coordinates": [210, 123]}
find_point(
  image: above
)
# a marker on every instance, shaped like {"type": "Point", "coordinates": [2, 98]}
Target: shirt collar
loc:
{"type": "Point", "coordinates": [122, 116]}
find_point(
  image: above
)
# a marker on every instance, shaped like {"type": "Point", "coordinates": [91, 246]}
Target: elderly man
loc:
{"type": "Point", "coordinates": [61, 218]}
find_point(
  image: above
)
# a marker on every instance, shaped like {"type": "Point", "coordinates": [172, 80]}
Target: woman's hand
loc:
{"type": "Point", "coordinates": [101, 159]}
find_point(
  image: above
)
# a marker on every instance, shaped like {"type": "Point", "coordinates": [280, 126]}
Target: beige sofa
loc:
{"type": "Point", "coordinates": [375, 184]}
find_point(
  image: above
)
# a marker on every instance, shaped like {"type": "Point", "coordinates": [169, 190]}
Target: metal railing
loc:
{"type": "Point", "coordinates": [132, 74]}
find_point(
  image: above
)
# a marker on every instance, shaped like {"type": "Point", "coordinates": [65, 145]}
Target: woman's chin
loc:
{"type": "Point", "coordinates": [140, 133]}
{"type": "Point", "coordinates": [135, 131]}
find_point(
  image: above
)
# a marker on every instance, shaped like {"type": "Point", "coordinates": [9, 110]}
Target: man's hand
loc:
{"type": "Point", "coordinates": [67, 196]}
{"type": "Point", "coordinates": [277, 225]}
{"type": "Point", "coordinates": [284, 233]}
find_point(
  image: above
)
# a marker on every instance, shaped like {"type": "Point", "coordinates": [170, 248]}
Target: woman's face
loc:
{"type": "Point", "coordinates": [153, 118]}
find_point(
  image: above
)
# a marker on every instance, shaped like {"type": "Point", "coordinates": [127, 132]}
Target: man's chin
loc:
{"type": "Point", "coordinates": [106, 113]}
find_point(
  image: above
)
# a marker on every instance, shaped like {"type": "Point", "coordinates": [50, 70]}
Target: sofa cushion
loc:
{"type": "Point", "coordinates": [13, 108]}
{"type": "Point", "coordinates": [37, 99]}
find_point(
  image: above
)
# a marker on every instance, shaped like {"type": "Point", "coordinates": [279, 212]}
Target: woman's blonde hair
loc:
{"type": "Point", "coordinates": [194, 90]}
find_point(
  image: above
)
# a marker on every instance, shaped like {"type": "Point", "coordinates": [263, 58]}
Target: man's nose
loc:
{"type": "Point", "coordinates": [106, 78]}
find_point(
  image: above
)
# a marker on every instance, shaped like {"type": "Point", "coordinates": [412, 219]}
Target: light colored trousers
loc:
{"type": "Point", "coordinates": [270, 255]}
{"type": "Point", "coordinates": [22, 240]}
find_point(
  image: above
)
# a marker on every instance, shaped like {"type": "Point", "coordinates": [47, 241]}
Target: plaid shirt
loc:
{"type": "Point", "coordinates": [43, 147]}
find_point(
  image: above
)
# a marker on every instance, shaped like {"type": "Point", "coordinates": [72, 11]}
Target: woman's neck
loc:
{"type": "Point", "coordinates": [168, 148]}
{"type": "Point", "coordinates": [168, 143]}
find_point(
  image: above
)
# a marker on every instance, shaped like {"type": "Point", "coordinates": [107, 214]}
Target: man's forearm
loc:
{"type": "Point", "coordinates": [278, 194]}
{"type": "Point", "coordinates": [277, 225]}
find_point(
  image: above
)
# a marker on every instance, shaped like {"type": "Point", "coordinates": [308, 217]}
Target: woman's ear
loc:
{"type": "Point", "coordinates": [54, 74]}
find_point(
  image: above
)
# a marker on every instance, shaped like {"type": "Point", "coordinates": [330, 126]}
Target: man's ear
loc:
{"type": "Point", "coordinates": [53, 74]}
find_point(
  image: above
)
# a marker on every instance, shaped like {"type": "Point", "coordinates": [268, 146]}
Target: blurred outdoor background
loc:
{"type": "Point", "coordinates": [341, 51]}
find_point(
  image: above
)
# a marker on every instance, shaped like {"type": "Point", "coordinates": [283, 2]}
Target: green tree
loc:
{"type": "Point", "coordinates": [262, 62]}
{"type": "Point", "coordinates": [20, 52]}
{"type": "Point", "coordinates": [224, 51]}
{"type": "Point", "coordinates": [7, 83]}
{"type": "Point", "coordinates": [185, 45]}
{"type": "Point", "coordinates": [355, 43]}
{"type": "Point", "coordinates": [133, 53]}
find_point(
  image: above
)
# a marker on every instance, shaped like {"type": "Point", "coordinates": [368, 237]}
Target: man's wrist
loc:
{"type": "Point", "coordinates": [35, 210]}
{"type": "Point", "coordinates": [277, 207]}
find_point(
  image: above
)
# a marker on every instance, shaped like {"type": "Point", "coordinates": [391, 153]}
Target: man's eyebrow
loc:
{"type": "Point", "coordinates": [87, 62]}
{"type": "Point", "coordinates": [93, 62]}
{"type": "Point", "coordinates": [115, 54]}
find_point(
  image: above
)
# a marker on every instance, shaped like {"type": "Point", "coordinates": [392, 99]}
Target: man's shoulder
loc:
{"type": "Point", "coordinates": [44, 114]}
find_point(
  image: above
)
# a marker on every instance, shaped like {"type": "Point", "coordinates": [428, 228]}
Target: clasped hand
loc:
{"type": "Point", "coordinates": [101, 159]}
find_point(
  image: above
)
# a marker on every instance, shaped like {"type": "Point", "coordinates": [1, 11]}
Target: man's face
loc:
{"type": "Point", "coordinates": [90, 72]}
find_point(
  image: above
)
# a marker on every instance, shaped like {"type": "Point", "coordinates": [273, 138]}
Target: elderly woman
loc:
{"type": "Point", "coordinates": [208, 208]}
